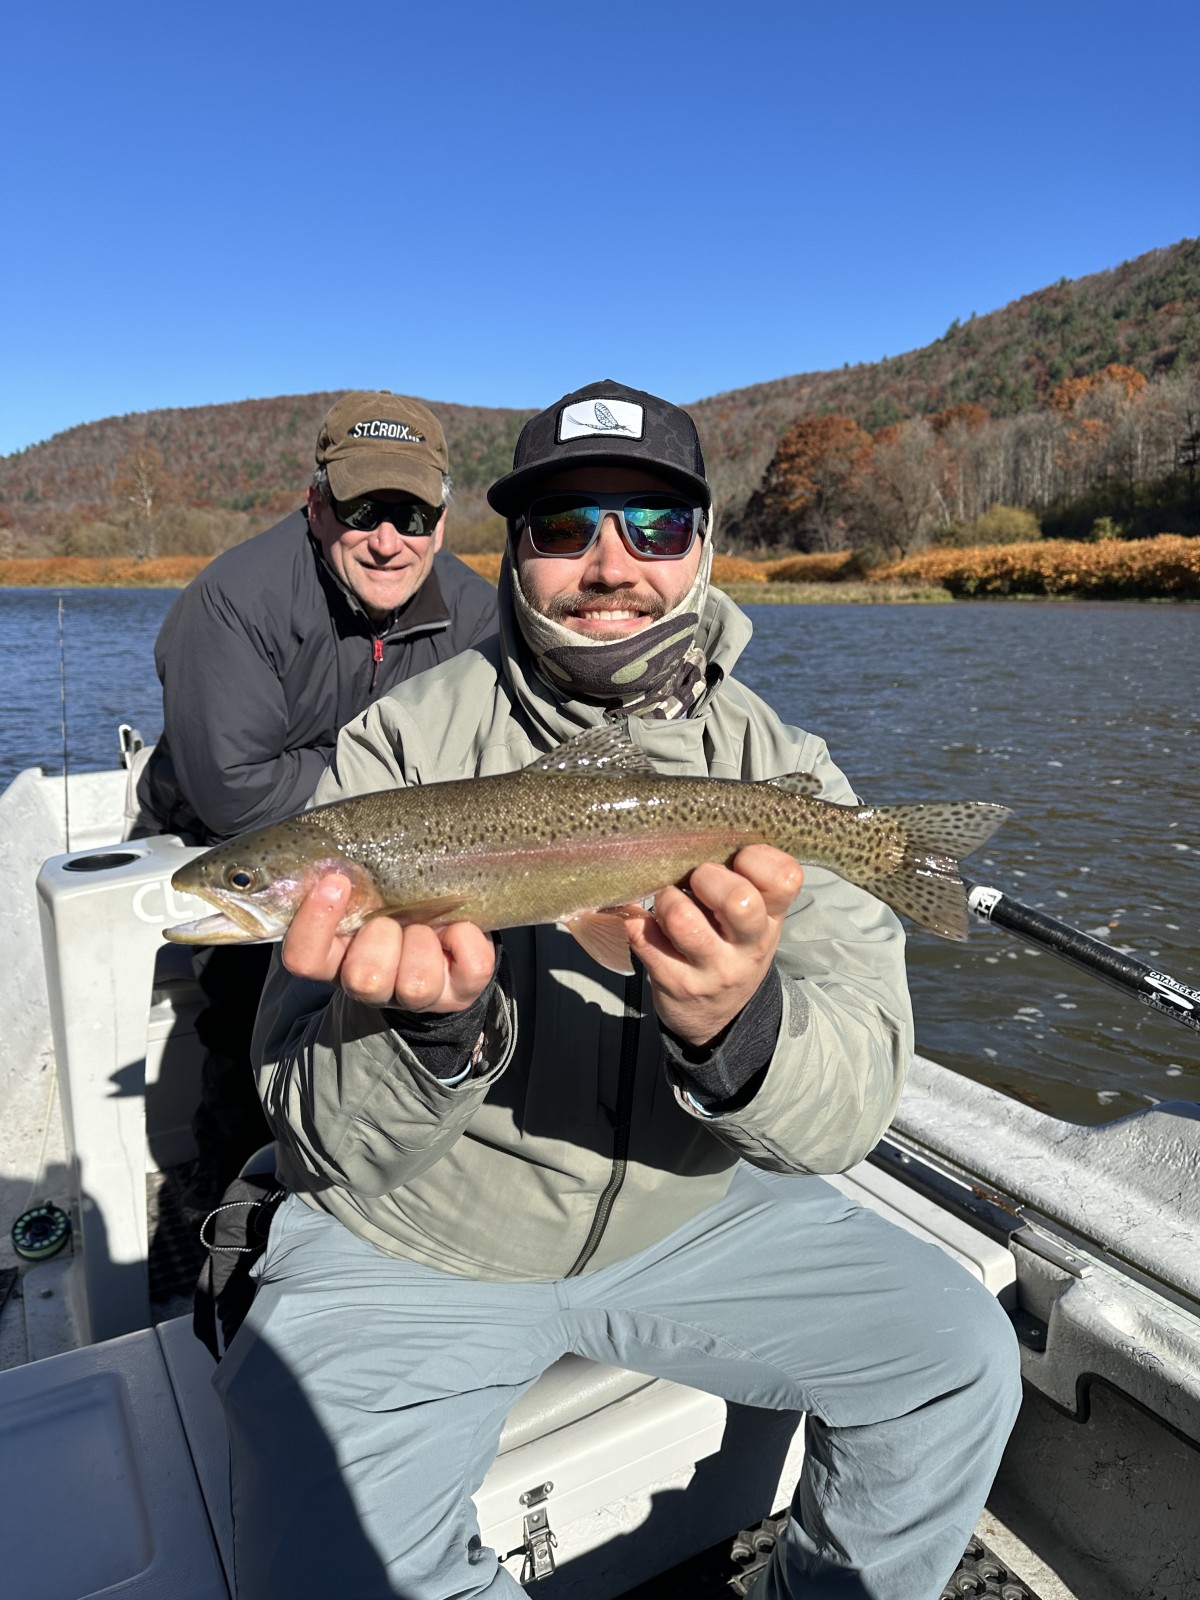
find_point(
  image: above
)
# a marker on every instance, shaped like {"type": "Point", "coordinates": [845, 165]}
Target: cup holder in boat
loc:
{"type": "Point", "coordinates": [102, 862]}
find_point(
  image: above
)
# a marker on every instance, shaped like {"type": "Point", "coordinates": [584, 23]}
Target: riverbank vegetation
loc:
{"type": "Point", "coordinates": [87, 572]}
{"type": "Point", "coordinates": [1166, 568]}
{"type": "Point", "coordinates": [824, 594]}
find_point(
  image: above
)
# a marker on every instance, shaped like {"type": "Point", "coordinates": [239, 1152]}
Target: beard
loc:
{"type": "Point", "coordinates": [561, 607]}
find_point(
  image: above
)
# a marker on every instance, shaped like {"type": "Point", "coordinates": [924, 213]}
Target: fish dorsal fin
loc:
{"type": "Point", "coordinates": [607, 748]}
{"type": "Point", "coordinates": [602, 934]}
{"type": "Point", "coordinates": [805, 783]}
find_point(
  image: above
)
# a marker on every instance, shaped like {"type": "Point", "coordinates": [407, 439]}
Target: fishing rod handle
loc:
{"type": "Point", "coordinates": [1147, 984]}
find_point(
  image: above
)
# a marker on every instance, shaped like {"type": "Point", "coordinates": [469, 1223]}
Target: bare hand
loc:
{"type": "Point", "coordinates": [706, 951]}
{"type": "Point", "coordinates": [384, 964]}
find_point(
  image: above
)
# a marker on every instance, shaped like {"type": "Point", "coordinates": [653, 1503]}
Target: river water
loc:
{"type": "Point", "coordinates": [1082, 718]}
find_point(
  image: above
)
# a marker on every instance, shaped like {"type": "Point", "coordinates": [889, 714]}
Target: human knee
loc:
{"type": "Point", "coordinates": [987, 1349]}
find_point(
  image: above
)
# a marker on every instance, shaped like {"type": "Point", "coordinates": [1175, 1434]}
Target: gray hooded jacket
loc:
{"type": "Point", "coordinates": [569, 1147]}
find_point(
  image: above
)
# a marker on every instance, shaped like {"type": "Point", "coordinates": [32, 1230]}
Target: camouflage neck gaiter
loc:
{"type": "Point", "coordinates": [658, 672]}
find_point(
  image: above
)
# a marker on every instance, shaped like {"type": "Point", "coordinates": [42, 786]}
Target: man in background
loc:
{"type": "Point", "coordinates": [270, 650]}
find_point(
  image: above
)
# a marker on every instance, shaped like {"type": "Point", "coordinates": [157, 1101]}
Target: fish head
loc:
{"type": "Point", "coordinates": [258, 881]}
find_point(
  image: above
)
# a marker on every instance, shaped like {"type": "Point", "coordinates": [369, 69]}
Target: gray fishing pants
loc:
{"type": "Point", "coordinates": [365, 1395]}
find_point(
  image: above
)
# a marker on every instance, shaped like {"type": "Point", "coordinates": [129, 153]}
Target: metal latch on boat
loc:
{"type": "Point", "coordinates": [539, 1538]}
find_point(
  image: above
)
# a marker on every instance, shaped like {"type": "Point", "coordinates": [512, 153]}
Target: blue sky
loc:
{"type": "Point", "coordinates": [493, 204]}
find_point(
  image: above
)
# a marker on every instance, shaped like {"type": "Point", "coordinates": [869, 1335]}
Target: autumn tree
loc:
{"type": "Point", "coordinates": [1016, 461]}
{"type": "Point", "coordinates": [1066, 397]}
{"type": "Point", "coordinates": [1184, 402]}
{"type": "Point", "coordinates": [959, 429]}
{"type": "Point", "coordinates": [808, 486]}
{"type": "Point", "coordinates": [142, 486]}
{"type": "Point", "coordinates": [1109, 417]}
{"type": "Point", "coordinates": [900, 501]}
{"type": "Point", "coordinates": [966, 416]}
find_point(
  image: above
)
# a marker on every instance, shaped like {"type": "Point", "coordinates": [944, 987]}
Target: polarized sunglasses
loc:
{"type": "Point", "coordinates": [662, 527]}
{"type": "Point", "coordinates": [413, 518]}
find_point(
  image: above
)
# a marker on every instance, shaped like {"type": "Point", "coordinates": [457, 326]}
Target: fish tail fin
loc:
{"type": "Point", "coordinates": [924, 883]}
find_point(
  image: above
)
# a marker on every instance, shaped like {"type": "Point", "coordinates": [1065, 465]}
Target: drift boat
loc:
{"type": "Point", "coordinates": [607, 1481]}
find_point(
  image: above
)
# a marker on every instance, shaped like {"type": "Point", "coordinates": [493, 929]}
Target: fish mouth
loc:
{"type": "Point", "coordinates": [235, 923]}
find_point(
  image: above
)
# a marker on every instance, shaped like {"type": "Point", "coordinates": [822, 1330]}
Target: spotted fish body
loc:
{"type": "Point", "coordinates": [588, 827]}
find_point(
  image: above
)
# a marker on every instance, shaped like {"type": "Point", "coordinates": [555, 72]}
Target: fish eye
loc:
{"type": "Point", "coordinates": [240, 878]}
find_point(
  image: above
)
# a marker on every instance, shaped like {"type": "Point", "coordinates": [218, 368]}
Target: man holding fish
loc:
{"type": "Point", "coordinates": [499, 1151]}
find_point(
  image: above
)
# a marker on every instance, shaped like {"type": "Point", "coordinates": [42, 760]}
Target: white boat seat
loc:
{"type": "Point", "coordinates": [573, 1388]}
{"type": "Point", "coordinates": [100, 1494]}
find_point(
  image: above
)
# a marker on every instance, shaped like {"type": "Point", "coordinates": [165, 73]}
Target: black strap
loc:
{"type": "Point", "coordinates": [235, 1235]}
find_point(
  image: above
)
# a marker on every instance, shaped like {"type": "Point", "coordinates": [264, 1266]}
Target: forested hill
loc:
{"type": "Point", "coordinates": [249, 456]}
{"type": "Point", "coordinates": [255, 456]}
{"type": "Point", "coordinates": [1144, 314]}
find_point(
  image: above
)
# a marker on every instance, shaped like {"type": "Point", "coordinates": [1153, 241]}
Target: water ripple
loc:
{"type": "Point", "coordinates": [1076, 716]}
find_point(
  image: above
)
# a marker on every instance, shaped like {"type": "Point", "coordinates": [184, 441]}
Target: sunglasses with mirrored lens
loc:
{"type": "Point", "coordinates": [659, 526]}
{"type": "Point", "coordinates": [413, 518]}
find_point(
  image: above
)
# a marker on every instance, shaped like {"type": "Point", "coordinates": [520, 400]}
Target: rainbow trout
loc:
{"type": "Point", "coordinates": [586, 829]}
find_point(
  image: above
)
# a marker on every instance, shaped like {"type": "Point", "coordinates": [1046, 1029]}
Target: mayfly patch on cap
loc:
{"type": "Point", "coordinates": [586, 418]}
{"type": "Point", "coordinates": [386, 428]}
{"type": "Point", "coordinates": [608, 424]}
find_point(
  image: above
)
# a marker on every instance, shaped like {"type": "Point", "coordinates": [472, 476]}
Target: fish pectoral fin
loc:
{"type": "Point", "coordinates": [433, 913]}
{"type": "Point", "coordinates": [602, 934]}
{"type": "Point", "coordinates": [805, 783]}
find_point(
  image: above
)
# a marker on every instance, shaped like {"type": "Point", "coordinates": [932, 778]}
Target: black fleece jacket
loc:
{"type": "Point", "coordinates": [264, 658]}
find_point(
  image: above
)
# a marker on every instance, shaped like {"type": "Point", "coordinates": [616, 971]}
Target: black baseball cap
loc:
{"type": "Point", "coordinates": [604, 424]}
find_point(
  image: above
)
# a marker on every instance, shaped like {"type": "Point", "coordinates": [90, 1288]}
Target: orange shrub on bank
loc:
{"type": "Point", "coordinates": [736, 569]}
{"type": "Point", "coordinates": [114, 572]}
{"type": "Point", "coordinates": [486, 564]}
{"type": "Point", "coordinates": [833, 566]}
{"type": "Point", "coordinates": [1167, 567]}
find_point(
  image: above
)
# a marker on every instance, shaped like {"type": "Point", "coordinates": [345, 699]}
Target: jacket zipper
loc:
{"type": "Point", "coordinates": [376, 658]}
{"type": "Point", "coordinates": [630, 1030]}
